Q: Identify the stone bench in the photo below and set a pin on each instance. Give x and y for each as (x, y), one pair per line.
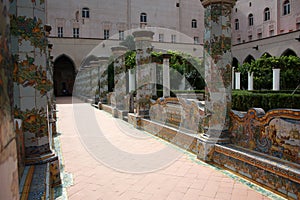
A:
(265, 147)
(279, 175)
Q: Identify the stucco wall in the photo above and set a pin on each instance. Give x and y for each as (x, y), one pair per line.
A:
(278, 22)
(275, 46)
(118, 15)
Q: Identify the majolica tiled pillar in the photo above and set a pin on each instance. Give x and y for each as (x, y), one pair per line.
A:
(103, 78)
(217, 59)
(94, 80)
(166, 75)
(144, 70)
(120, 75)
(33, 84)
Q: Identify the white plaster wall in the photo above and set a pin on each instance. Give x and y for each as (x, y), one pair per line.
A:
(278, 22)
(116, 15)
(275, 46)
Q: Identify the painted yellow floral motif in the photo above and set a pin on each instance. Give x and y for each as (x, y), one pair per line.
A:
(34, 121)
(27, 73)
(29, 29)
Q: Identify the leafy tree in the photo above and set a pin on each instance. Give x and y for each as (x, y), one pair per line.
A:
(262, 69)
(130, 61)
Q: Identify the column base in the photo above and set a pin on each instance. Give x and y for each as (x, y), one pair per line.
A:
(115, 112)
(207, 141)
(134, 120)
(143, 113)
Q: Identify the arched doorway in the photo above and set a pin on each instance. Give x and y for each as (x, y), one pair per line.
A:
(244, 74)
(235, 63)
(63, 76)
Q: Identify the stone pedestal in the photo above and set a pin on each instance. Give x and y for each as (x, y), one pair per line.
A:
(218, 71)
(144, 70)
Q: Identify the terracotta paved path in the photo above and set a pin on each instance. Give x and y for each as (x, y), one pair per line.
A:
(182, 179)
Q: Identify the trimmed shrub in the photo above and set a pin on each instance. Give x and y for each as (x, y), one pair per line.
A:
(244, 100)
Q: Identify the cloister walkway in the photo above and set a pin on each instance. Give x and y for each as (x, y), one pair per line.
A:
(119, 167)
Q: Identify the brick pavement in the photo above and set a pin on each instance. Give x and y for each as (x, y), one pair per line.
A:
(184, 178)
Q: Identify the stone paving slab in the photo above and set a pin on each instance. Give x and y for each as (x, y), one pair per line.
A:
(184, 177)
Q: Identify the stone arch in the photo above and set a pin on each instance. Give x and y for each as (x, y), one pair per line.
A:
(248, 59)
(235, 62)
(289, 52)
(266, 54)
(244, 76)
(63, 75)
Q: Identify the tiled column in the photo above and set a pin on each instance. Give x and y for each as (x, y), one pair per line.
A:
(86, 82)
(166, 75)
(103, 78)
(132, 84)
(120, 76)
(145, 86)
(95, 67)
(217, 59)
(87, 94)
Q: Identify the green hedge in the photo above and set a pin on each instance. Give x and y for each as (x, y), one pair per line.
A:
(244, 100)
(274, 91)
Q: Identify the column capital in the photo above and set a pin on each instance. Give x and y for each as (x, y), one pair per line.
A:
(143, 35)
(119, 50)
(103, 59)
(206, 3)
